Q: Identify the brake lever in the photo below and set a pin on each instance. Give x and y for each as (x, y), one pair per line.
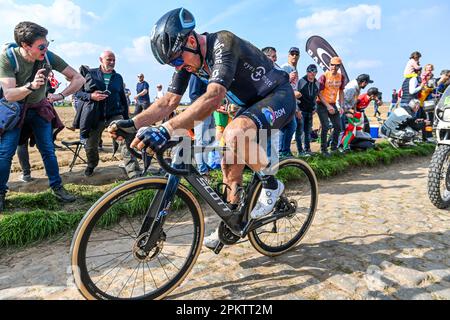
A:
(147, 159)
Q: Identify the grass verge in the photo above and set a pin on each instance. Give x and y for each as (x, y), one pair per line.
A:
(34, 217)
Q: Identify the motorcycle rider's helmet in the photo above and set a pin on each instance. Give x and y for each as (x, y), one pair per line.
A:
(170, 34)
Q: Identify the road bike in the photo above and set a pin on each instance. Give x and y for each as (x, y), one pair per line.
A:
(142, 239)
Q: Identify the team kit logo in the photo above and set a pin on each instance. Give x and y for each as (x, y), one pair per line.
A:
(271, 115)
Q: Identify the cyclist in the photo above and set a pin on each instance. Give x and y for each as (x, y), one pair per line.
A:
(233, 68)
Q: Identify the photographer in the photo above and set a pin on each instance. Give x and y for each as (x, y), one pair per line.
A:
(102, 101)
(27, 84)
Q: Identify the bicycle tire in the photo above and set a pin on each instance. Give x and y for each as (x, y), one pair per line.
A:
(78, 251)
(254, 236)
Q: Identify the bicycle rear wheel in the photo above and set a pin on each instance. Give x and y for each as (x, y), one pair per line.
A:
(301, 190)
(107, 257)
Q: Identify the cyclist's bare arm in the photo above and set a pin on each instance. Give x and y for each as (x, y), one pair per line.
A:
(200, 109)
(159, 110)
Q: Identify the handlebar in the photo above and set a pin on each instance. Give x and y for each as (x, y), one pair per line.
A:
(163, 163)
(129, 137)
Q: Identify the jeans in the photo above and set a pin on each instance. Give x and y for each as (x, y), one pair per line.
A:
(286, 135)
(141, 106)
(303, 132)
(325, 118)
(24, 158)
(43, 133)
(92, 144)
(203, 138)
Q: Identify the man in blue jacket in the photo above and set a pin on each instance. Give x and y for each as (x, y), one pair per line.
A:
(103, 100)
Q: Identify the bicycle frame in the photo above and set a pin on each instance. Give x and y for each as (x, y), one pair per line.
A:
(236, 221)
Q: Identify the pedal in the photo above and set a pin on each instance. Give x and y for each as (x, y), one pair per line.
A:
(219, 248)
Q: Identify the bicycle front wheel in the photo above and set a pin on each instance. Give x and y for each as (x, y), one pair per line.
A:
(302, 192)
(107, 257)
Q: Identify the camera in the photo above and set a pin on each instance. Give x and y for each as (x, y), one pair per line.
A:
(48, 69)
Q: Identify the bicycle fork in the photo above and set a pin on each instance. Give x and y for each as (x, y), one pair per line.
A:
(157, 213)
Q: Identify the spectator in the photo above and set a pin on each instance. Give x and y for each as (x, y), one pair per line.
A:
(394, 101)
(308, 87)
(127, 94)
(377, 103)
(352, 92)
(287, 133)
(443, 82)
(271, 53)
(427, 75)
(29, 85)
(353, 89)
(222, 118)
(413, 64)
(143, 95)
(364, 101)
(159, 92)
(202, 130)
(332, 85)
(99, 108)
(22, 148)
(411, 87)
(402, 125)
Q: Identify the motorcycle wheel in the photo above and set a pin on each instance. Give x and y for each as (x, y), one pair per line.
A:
(439, 178)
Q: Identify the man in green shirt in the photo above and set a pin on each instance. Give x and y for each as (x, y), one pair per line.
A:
(28, 86)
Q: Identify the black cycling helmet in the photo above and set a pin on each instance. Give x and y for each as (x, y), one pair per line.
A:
(170, 34)
(373, 92)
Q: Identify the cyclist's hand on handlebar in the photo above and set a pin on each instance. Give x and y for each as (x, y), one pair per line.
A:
(120, 127)
(152, 137)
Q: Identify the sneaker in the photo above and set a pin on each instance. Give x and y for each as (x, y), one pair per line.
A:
(212, 241)
(89, 172)
(63, 195)
(267, 201)
(393, 143)
(26, 178)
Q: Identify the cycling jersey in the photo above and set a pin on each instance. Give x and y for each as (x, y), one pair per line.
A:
(240, 67)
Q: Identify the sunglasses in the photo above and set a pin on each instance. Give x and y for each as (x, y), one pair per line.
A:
(177, 62)
(294, 54)
(42, 47)
(336, 65)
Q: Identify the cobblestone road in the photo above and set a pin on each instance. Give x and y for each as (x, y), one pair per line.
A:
(375, 236)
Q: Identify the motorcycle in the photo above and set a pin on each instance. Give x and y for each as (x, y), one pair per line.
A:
(439, 173)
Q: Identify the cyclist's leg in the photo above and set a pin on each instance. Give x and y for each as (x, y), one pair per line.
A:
(272, 113)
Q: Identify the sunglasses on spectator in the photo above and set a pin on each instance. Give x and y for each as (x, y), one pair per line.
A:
(294, 54)
(42, 47)
(312, 71)
(336, 65)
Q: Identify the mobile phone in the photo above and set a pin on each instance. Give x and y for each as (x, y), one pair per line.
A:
(48, 69)
(106, 92)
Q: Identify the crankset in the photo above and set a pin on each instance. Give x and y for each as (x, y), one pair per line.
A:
(286, 207)
(226, 236)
